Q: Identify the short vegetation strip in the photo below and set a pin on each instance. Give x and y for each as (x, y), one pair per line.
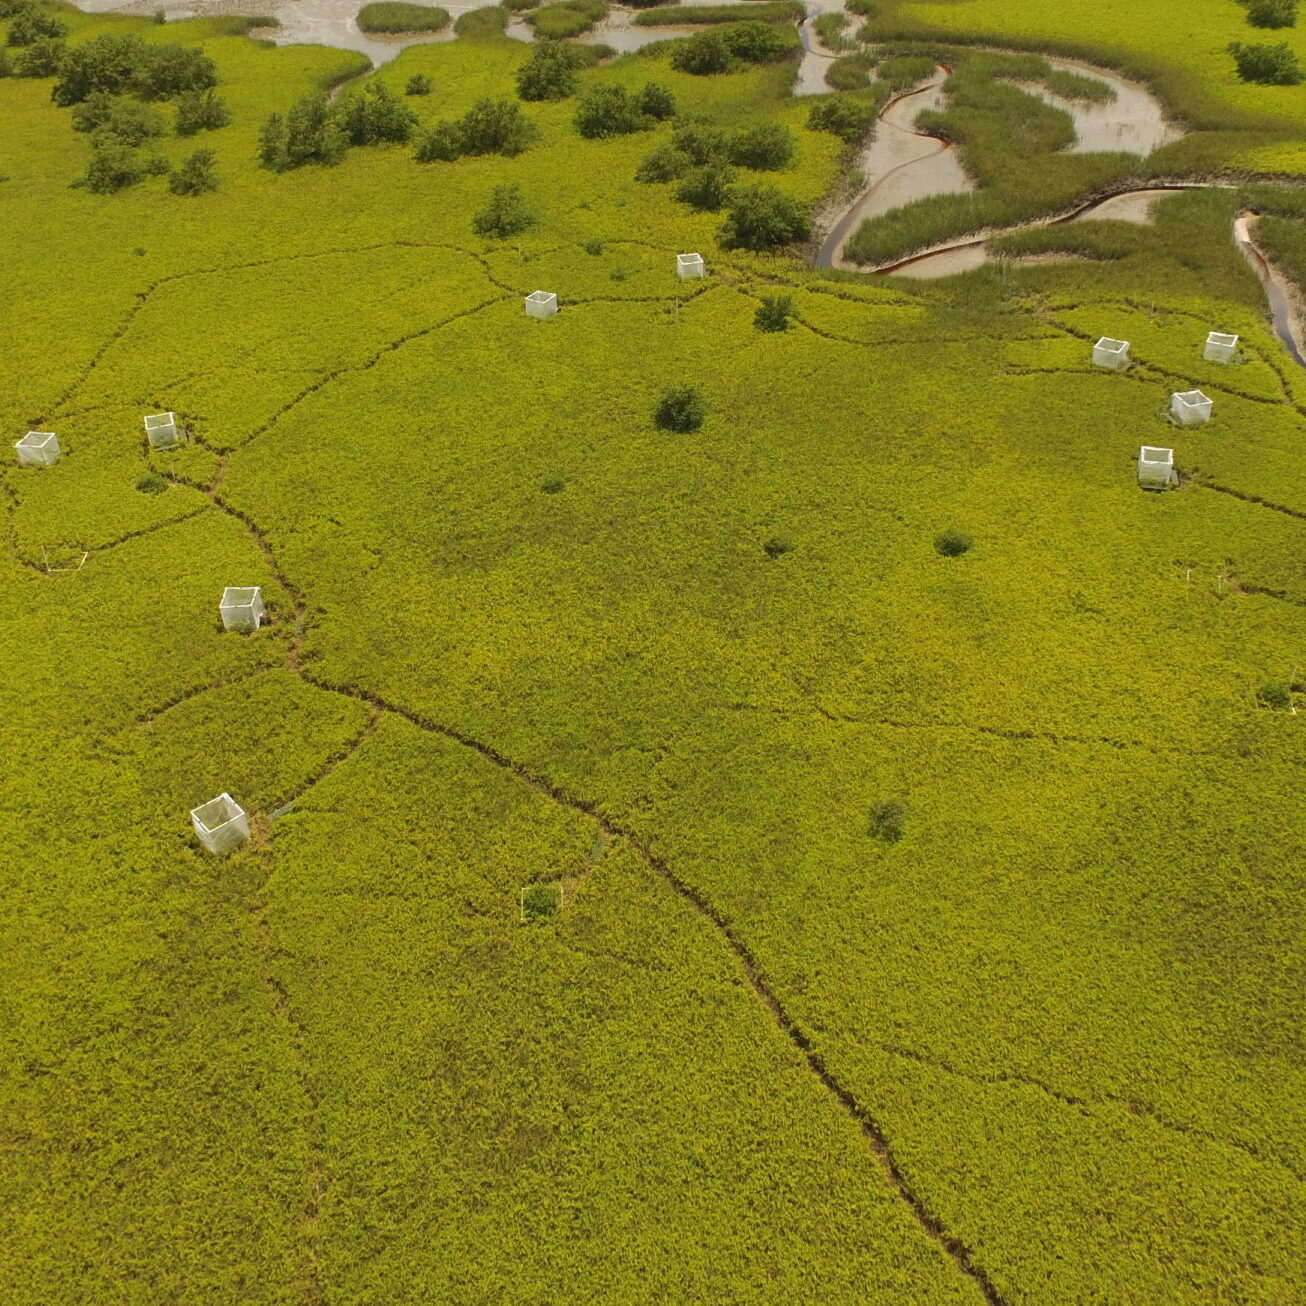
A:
(392, 18)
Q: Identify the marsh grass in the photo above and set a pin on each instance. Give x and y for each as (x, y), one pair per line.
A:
(392, 17)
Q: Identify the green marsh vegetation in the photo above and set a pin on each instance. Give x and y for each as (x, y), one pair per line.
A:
(390, 17)
(338, 1066)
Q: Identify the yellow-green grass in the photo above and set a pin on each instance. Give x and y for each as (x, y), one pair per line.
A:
(336, 1066)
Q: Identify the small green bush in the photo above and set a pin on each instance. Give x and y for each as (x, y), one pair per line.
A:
(122, 63)
(762, 218)
(1276, 695)
(152, 483)
(488, 127)
(609, 111)
(703, 54)
(844, 116)
(953, 543)
(40, 59)
(34, 23)
(114, 166)
(666, 163)
(201, 111)
(777, 546)
(1267, 65)
(540, 902)
(418, 84)
(1272, 13)
(681, 409)
(130, 121)
(656, 102)
(195, 176)
(553, 485)
(506, 215)
(593, 247)
(706, 189)
(886, 820)
(703, 142)
(550, 73)
(393, 17)
(768, 147)
(774, 312)
(375, 115)
(309, 133)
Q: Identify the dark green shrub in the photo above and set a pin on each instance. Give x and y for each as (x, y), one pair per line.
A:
(886, 820)
(441, 144)
(593, 247)
(609, 111)
(376, 115)
(703, 142)
(201, 111)
(114, 166)
(94, 111)
(767, 147)
(777, 546)
(481, 24)
(755, 42)
(121, 63)
(666, 163)
(844, 116)
(656, 102)
(128, 121)
(170, 70)
(106, 63)
(1267, 65)
(1272, 13)
(309, 133)
(506, 215)
(161, 17)
(393, 17)
(540, 902)
(553, 485)
(42, 58)
(706, 189)
(774, 312)
(418, 84)
(6, 64)
(550, 73)
(703, 54)
(952, 543)
(34, 23)
(763, 217)
(152, 483)
(681, 409)
(196, 176)
(866, 8)
(1276, 695)
(496, 127)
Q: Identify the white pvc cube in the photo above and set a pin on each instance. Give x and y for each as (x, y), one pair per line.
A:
(1220, 348)
(689, 266)
(1111, 353)
(1189, 407)
(162, 431)
(38, 449)
(541, 304)
(241, 607)
(220, 824)
(1156, 467)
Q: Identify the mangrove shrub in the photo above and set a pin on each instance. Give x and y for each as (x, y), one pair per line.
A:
(201, 111)
(774, 312)
(507, 214)
(1272, 13)
(34, 23)
(1268, 65)
(763, 217)
(196, 176)
(681, 409)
